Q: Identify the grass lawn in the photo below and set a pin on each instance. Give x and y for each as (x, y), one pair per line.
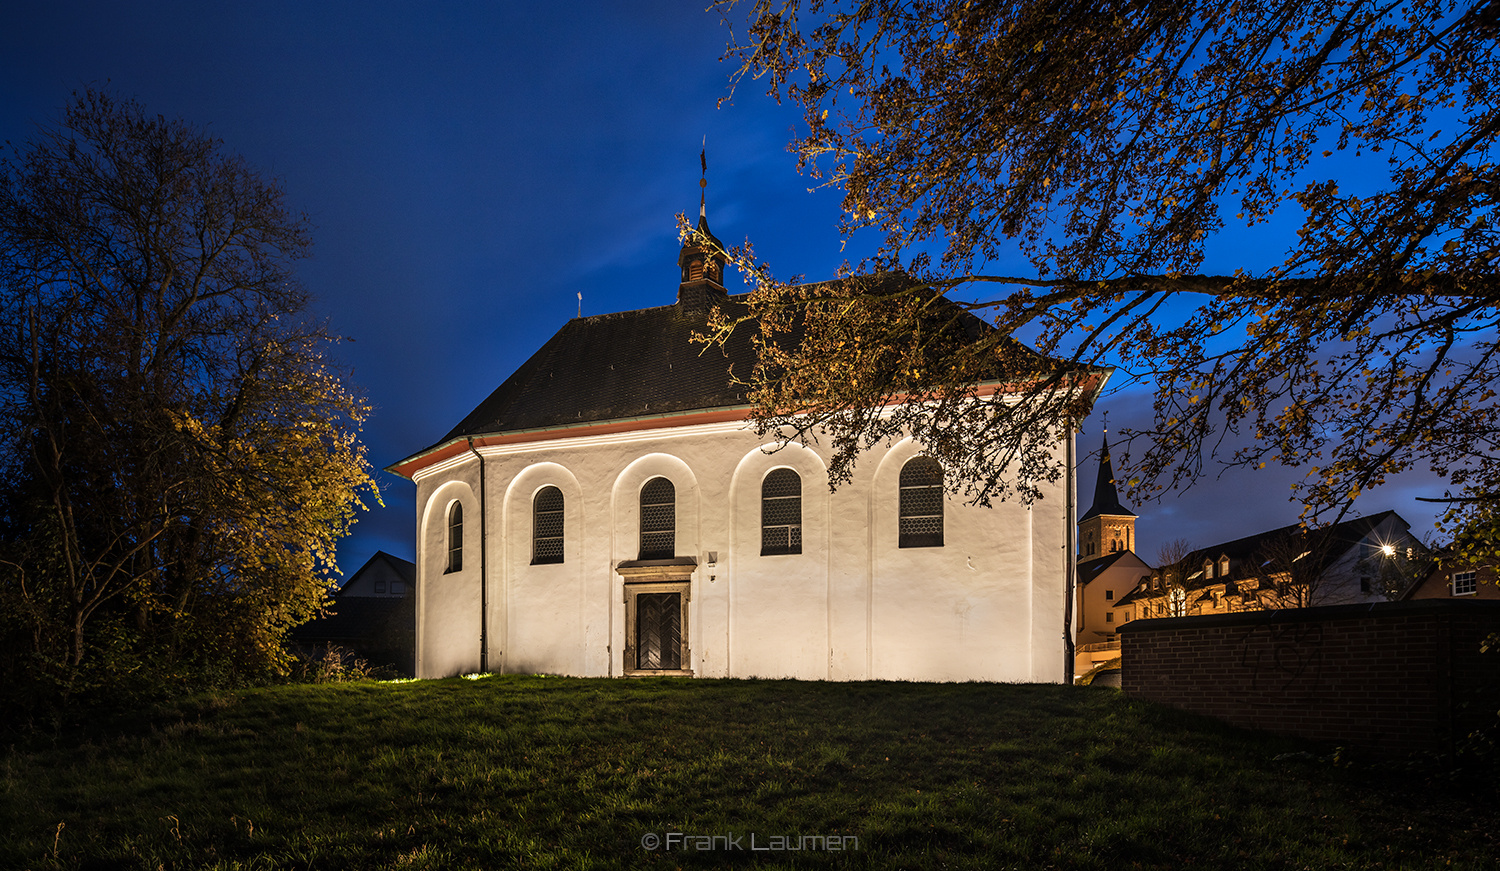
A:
(534, 772)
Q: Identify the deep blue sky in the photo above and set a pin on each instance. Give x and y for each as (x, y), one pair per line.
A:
(469, 168)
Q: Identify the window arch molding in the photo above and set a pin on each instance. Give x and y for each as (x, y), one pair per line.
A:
(745, 495)
(625, 505)
(520, 515)
(434, 529)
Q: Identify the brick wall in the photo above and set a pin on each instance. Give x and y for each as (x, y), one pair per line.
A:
(1396, 676)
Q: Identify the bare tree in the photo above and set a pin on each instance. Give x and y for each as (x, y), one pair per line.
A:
(1173, 552)
(1110, 145)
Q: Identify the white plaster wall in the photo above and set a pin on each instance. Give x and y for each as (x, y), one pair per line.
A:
(448, 603)
(853, 605)
(957, 612)
(779, 604)
(544, 605)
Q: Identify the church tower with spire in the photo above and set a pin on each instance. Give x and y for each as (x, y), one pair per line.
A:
(701, 259)
(1108, 527)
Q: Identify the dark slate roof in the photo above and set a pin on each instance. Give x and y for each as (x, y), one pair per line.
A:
(622, 365)
(1087, 571)
(405, 569)
(635, 364)
(1106, 498)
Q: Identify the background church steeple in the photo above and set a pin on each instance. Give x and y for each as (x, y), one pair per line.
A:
(702, 256)
(1108, 527)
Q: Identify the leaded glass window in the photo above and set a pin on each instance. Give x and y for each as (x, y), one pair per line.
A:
(547, 526)
(455, 537)
(921, 503)
(781, 513)
(658, 519)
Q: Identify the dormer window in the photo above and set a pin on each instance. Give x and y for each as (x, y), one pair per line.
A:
(1223, 566)
(1208, 569)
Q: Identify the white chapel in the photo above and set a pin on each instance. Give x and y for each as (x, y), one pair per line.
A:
(609, 511)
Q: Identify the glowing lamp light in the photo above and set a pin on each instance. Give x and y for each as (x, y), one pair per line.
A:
(1388, 549)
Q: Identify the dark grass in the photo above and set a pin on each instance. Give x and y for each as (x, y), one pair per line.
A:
(512, 772)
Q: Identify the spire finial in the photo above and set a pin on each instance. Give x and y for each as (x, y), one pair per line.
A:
(703, 180)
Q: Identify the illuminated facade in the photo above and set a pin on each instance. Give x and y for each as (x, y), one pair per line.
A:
(617, 516)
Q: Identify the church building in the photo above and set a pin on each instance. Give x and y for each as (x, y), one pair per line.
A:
(1108, 569)
(609, 511)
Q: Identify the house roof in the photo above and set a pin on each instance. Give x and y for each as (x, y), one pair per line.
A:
(404, 569)
(1088, 571)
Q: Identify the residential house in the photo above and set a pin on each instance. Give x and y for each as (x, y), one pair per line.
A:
(372, 617)
(1365, 560)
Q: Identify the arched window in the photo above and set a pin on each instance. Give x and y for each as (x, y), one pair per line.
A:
(547, 526)
(658, 519)
(921, 503)
(781, 513)
(455, 537)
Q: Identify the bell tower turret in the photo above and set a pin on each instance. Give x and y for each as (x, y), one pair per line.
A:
(702, 258)
(1108, 527)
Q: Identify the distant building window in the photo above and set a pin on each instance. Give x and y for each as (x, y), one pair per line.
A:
(921, 503)
(1464, 584)
(380, 586)
(398, 588)
(1208, 569)
(658, 519)
(1109, 594)
(1109, 616)
(781, 512)
(1177, 602)
(1223, 566)
(455, 537)
(547, 526)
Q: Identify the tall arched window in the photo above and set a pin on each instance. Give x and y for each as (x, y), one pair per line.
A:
(455, 537)
(658, 519)
(781, 513)
(921, 503)
(547, 526)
